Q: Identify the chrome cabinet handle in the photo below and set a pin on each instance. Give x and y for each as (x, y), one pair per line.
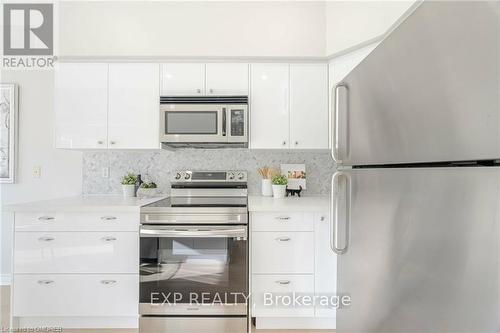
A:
(108, 218)
(322, 218)
(112, 142)
(283, 282)
(46, 218)
(45, 282)
(335, 119)
(108, 282)
(334, 212)
(100, 142)
(211, 91)
(46, 239)
(283, 239)
(284, 143)
(224, 116)
(296, 143)
(282, 218)
(198, 91)
(109, 239)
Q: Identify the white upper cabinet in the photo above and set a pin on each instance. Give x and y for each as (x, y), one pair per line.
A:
(309, 106)
(223, 79)
(133, 106)
(269, 103)
(81, 103)
(183, 79)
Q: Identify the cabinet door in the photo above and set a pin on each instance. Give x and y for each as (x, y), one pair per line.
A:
(133, 120)
(325, 265)
(183, 79)
(309, 106)
(227, 79)
(269, 104)
(81, 104)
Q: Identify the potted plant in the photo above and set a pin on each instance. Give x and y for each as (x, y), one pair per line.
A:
(129, 185)
(148, 189)
(279, 186)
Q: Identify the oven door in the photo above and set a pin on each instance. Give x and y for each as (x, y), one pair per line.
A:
(193, 123)
(193, 270)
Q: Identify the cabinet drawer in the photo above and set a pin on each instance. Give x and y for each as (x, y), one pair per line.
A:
(267, 287)
(282, 221)
(75, 295)
(75, 221)
(76, 252)
(282, 252)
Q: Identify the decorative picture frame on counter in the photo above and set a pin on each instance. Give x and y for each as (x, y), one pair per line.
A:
(8, 132)
(296, 174)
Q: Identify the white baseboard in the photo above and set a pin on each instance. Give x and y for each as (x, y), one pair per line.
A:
(5, 280)
(302, 323)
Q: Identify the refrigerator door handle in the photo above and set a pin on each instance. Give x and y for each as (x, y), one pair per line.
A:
(335, 207)
(335, 152)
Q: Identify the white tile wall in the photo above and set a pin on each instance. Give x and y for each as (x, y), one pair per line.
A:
(159, 166)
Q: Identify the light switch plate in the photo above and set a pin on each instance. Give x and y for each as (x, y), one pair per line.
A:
(105, 172)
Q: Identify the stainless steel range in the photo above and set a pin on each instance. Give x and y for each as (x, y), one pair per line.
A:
(194, 256)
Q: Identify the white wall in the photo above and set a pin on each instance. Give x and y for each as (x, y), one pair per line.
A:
(174, 28)
(349, 23)
(61, 170)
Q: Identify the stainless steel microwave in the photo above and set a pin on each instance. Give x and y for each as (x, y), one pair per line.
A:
(204, 122)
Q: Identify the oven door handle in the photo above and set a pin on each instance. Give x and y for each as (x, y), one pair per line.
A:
(192, 232)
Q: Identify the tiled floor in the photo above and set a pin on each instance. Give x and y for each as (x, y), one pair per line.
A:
(5, 308)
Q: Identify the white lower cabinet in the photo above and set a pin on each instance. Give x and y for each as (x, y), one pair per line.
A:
(284, 252)
(272, 295)
(77, 221)
(75, 268)
(293, 271)
(76, 252)
(75, 295)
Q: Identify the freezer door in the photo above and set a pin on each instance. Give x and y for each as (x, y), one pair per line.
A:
(428, 93)
(422, 252)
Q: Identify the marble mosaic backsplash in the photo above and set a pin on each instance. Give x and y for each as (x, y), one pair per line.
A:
(159, 166)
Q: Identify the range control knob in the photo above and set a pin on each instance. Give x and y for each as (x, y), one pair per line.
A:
(241, 176)
(230, 176)
(178, 176)
(187, 176)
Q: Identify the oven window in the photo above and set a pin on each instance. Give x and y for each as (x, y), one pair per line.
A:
(190, 122)
(189, 269)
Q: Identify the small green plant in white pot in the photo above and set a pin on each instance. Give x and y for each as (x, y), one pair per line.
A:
(279, 186)
(148, 190)
(129, 185)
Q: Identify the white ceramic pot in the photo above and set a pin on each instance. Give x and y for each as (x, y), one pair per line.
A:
(279, 191)
(267, 189)
(146, 192)
(128, 191)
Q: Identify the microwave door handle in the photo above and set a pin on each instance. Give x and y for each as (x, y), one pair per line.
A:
(224, 120)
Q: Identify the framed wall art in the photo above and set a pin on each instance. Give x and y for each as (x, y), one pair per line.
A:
(8, 132)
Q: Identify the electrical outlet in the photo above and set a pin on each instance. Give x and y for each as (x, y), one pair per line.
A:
(37, 171)
(105, 172)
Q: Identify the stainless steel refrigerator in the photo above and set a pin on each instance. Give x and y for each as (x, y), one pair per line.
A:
(416, 196)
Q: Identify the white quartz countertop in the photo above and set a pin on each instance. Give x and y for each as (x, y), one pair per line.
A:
(83, 203)
(289, 204)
